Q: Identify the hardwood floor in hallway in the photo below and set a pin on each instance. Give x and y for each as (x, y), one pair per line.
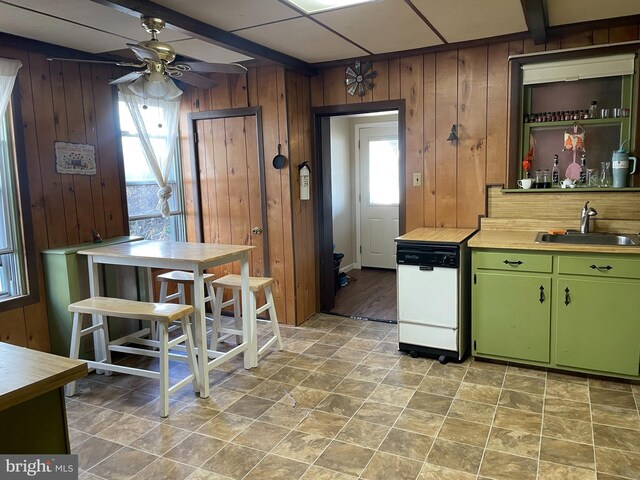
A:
(370, 293)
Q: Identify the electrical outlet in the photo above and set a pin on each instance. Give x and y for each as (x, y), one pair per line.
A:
(417, 179)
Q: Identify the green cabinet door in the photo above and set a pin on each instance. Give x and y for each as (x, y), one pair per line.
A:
(511, 315)
(597, 326)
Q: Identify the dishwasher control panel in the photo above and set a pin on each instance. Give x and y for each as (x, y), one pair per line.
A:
(427, 255)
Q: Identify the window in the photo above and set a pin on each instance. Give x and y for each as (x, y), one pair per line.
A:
(144, 219)
(13, 281)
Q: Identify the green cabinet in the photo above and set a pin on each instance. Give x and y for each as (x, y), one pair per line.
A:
(67, 280)
(511, 298)
(511, 315)
(573, 311)
(597, 325)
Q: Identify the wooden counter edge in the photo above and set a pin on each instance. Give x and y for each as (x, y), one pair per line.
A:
(24, 393)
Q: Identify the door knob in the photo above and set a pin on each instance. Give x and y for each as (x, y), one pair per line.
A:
(256, 230)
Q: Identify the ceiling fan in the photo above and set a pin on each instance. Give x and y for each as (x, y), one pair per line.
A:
(156, 61)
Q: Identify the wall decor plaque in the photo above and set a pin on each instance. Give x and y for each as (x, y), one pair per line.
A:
(75, 158)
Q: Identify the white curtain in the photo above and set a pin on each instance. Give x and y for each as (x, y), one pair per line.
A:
(156, 122)
(8, 72)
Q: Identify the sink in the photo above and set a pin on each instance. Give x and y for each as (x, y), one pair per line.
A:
(575, 238)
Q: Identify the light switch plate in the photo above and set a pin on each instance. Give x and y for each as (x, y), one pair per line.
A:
(417, 179)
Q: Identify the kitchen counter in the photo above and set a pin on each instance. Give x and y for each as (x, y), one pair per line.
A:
(525, 240)
(437, 235)
(32, 402)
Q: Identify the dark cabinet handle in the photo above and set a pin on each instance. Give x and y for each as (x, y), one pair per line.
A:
(597, 267)
(509, 262)
(566, 296)
(541, 294)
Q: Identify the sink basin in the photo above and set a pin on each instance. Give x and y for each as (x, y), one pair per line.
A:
(617, 239)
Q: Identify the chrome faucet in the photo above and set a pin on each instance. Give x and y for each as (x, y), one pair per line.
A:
(587, 212)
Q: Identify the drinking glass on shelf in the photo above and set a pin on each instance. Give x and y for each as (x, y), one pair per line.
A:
(605, 174)
(593, 177)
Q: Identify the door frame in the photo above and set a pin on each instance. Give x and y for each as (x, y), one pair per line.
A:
(192, 118)
(357, 128)
(320, 125)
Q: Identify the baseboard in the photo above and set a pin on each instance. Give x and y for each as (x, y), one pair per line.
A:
(348, 268)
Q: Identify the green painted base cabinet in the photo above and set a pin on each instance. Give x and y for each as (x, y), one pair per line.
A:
(571, 311)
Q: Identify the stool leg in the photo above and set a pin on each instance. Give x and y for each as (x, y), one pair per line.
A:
(74, 350)
(217, 318)
(105, 341)
(164, 369)
(273, 317)
(191, 357)
(237, 313)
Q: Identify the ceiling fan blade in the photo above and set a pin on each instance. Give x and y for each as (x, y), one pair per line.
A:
(129, 77)
(144, 53)
(233, 68)
(194, 79)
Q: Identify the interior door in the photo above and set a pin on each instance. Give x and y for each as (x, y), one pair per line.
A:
(228, 156)
(379, 196)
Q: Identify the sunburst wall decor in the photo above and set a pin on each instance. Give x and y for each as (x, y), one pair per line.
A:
(359, 78)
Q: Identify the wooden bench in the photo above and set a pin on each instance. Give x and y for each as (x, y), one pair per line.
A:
(161, 313)
(256, 284)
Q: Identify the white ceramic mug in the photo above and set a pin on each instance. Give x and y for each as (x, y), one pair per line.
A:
(567, 183)
(525, 183)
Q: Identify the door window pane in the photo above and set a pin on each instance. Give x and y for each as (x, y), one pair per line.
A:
(384, 182)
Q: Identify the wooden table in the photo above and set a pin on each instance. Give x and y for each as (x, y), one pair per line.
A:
(193, 257)
(32, 403)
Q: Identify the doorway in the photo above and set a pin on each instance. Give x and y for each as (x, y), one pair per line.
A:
(229, 204)
(327, 185)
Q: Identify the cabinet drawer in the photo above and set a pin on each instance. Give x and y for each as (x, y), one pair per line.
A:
(604, 266)
(513, 260)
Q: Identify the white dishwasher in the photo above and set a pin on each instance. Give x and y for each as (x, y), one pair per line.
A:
(433, 293)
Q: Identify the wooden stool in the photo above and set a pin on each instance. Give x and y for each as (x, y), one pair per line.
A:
(161, 313)
(234, 283)
(181, 279)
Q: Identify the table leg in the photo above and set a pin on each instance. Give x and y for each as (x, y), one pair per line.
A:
(200, 338)
(249, 330)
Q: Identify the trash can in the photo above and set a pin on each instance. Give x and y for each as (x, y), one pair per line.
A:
(337, 258)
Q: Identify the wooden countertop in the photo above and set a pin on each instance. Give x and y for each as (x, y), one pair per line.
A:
(439, 235)
(26, 374)
(525, 240)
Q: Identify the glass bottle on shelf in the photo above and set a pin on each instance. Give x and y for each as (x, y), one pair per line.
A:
(583, 170)
(555, 172)
(593, 109)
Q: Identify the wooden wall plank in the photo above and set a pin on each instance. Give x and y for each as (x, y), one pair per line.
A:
(411, 88)
(92, 139)
(601, 36)
(472, 117)
(497, 112)
(335, 92)
(73, 96)
(446, 115)
(61, 125)
(12, 327)
(381, 81)
(394, 79)
(285, 186)
(579, 39)
(317, 90)
(429, 141)
(623, 34)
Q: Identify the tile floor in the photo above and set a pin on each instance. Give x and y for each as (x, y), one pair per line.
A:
(341, 403)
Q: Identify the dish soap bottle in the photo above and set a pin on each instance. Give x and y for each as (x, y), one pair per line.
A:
(583, 170)
(555, 172)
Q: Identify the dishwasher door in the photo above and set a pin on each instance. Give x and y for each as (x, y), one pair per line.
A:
(428, 295)
(428, 306)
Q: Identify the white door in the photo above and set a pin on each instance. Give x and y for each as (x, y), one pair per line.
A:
(379, 195)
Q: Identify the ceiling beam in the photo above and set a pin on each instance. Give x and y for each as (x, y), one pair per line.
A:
(208, 33)
(535, 14)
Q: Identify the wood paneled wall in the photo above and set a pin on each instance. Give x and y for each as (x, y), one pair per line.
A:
(66, 102)
(264, 87)
(467, 87)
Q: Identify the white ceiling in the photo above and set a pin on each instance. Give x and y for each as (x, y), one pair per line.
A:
(373, 28)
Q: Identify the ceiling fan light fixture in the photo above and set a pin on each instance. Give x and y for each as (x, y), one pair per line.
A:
(155, 86)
